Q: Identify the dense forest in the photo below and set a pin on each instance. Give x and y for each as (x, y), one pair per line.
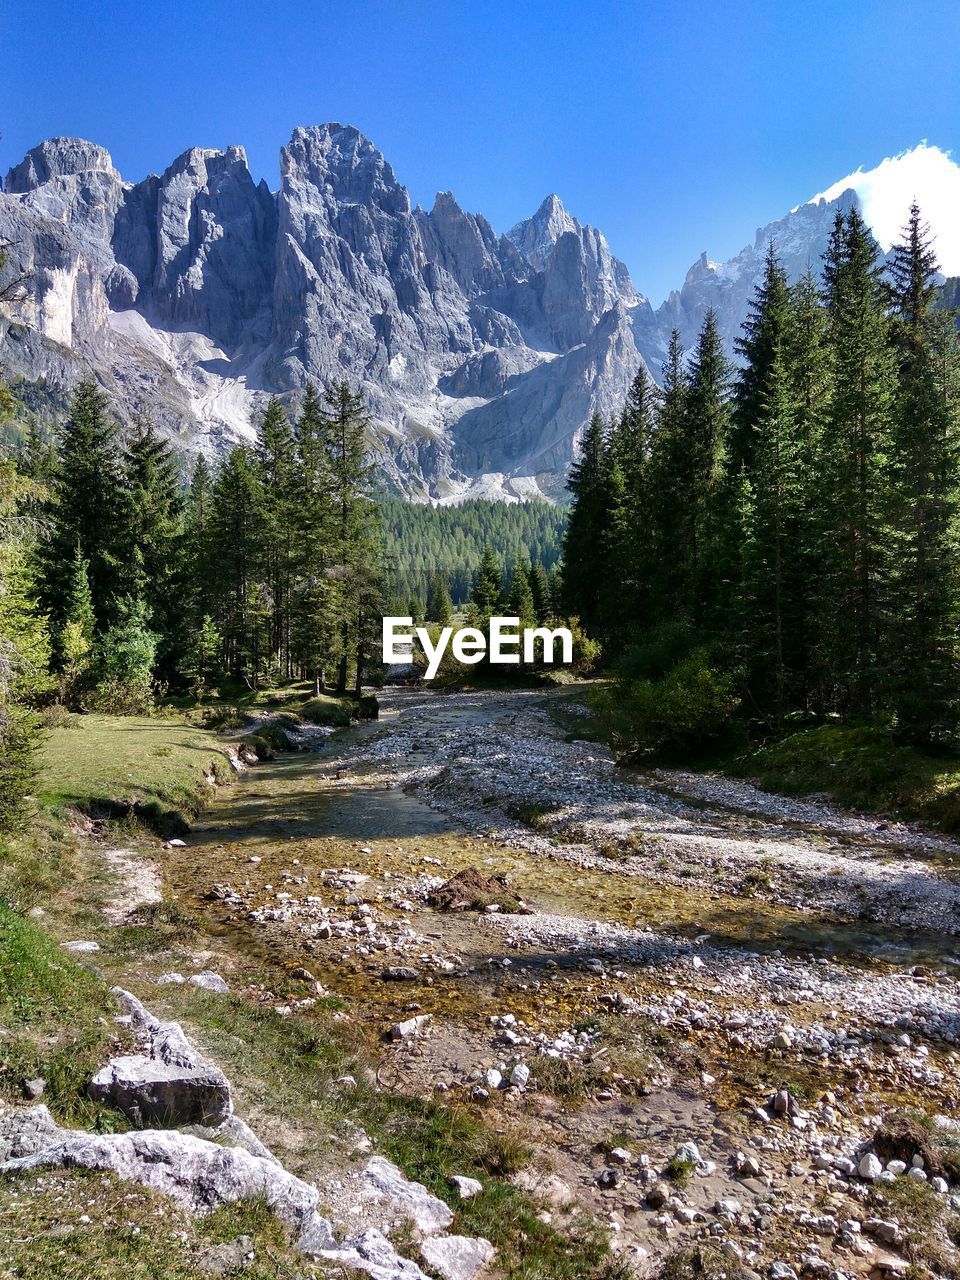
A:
(423, 543)
(782, 538)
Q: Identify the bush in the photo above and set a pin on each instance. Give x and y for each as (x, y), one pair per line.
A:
(126, 658)
(683, 711)
(327, 711)
(20, 735)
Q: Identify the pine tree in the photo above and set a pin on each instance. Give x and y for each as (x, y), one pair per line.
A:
(90, 508)
(585, 545)
(357, 543)
(708, 426)
(486, 597)
(855, 537)
(155, 525)
(520, 603)
(313, 607)
(540, 591)
(925, 452)
(439, 605)
(77, 637)
(242, 603)
(274, 451)
(669, 489)
(630, 533)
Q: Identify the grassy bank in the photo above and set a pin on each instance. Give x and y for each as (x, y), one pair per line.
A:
(861, 768)
(149, 766)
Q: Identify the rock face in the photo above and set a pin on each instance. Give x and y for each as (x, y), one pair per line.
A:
(197, 293)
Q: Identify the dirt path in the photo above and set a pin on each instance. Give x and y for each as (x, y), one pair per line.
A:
(694, 947)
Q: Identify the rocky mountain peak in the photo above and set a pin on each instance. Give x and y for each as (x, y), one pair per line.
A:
(338, 160)
(58, 158)
(536, 236)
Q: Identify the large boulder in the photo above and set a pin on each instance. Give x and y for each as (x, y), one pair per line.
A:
(168, 1082)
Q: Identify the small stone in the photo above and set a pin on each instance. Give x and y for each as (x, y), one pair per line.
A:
(400, 973)
(492, 1078)
(466, 1188)
(33, 1089)
(781, 1271)
(520, 1076)
(81, 947)
(208, 981)
(619, 1155)
(869, 1167)
(783, 1040)
(916, 1175)
(410, 1028)
(168, 979)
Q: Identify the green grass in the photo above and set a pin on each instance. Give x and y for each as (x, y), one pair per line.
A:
(56, 1017)
(134, 1232)
(289, 1064)
(150, 767)
(863, 768)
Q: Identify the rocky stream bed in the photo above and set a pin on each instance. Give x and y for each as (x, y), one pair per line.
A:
(720, 1020)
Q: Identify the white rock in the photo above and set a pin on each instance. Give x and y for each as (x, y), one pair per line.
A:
(457, 1257)
(520, 1075)
(869, 1167)
(165, 979)
(466, 1188)
(81, 947)
(208, 981)
(426, 1211)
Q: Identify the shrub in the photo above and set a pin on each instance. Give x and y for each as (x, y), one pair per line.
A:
(689, 707)
(126, 658)
(326, 711)
(20, 734)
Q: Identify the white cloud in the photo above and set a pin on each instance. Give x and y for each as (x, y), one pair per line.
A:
(925, 174)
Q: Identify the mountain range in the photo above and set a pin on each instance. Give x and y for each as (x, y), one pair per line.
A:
(196, 294)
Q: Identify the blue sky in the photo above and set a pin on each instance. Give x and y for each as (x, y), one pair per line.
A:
(674, 127)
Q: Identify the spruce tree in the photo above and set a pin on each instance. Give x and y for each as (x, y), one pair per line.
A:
(855, 538)
(155, 526)
(540, 591)
(707, 423)
(925, 450)
(313, 607)
(520, 602)
(274, 451)
(586, 543)
(90, 508)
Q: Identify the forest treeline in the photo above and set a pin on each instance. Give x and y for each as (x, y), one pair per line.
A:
(781, 538)
(119, 581)
(423, 543)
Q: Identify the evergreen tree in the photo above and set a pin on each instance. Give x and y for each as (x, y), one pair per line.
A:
(439, 605)
(586, 544)
(855, 541)
(520, 603)
(155, 507)
(486, 597)
(77, 637)
(234, 529)
(925, 455)
(313, 607)
(358, 548)
(708, 425)
(540, 591)
(275, 455)
(90, 508)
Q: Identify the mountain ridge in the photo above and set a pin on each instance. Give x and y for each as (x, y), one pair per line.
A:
(197, 293)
